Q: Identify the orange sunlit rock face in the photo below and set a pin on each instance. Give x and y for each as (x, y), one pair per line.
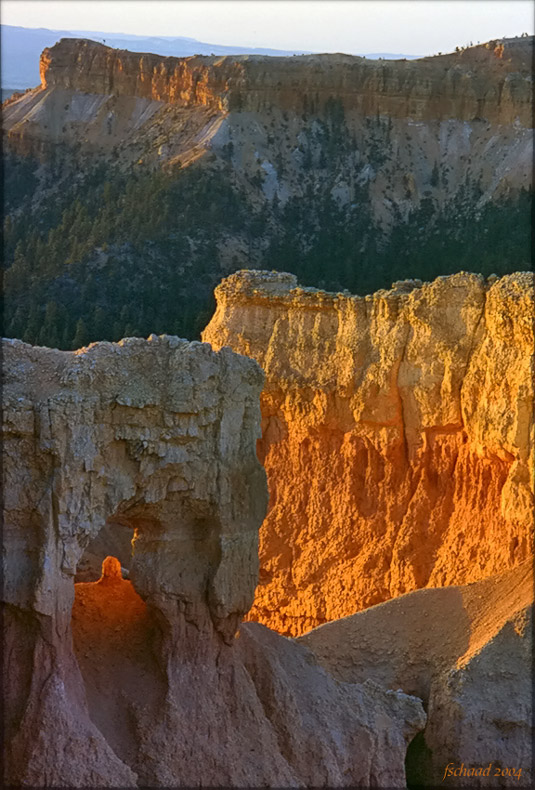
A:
(397, 436)
(109, 609)
(89, 67)
(111, 570)
(114, 638)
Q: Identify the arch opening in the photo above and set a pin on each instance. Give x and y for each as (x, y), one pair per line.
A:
(114, 636)
(114, 539)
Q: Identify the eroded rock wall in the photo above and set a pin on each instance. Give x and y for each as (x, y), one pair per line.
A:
(468, 85)
(157, 689)
(442, 127)
(89, 67)
(397, 436)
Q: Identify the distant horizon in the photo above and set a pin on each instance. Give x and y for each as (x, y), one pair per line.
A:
(417, 28)
(127, 36)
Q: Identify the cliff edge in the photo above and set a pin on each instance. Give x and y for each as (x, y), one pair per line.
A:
(397, 436)
(475, 83)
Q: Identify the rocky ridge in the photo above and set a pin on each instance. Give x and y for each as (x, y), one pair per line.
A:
(468, 113)
(430, 88)
(154, 682)
(397, 436)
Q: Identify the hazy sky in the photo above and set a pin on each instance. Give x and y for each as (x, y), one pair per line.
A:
(417, 27)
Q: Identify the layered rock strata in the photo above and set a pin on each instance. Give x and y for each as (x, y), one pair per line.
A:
(156, 684)
(466, 651)
(397, 436)
(475, 84)
(469, 114)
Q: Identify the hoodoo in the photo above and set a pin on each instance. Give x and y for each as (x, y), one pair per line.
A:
(297, 554)
(161, 686)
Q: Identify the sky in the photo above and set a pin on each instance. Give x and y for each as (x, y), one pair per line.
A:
(413, 27)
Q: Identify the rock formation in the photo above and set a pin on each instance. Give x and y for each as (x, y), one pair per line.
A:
(468, 114)
(466, 651)
(347, 172)
(89, 67)
(157, 684)
(437, 88)
(397, 436)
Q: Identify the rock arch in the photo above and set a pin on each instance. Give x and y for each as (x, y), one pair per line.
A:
(160, 435)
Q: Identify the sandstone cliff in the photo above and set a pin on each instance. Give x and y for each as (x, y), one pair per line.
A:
(156, 684)
(89, 67)
(473, 84)
(468, 113)
(466, 651)
(397, 436)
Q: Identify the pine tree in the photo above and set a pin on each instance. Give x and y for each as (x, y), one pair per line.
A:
(49, 334)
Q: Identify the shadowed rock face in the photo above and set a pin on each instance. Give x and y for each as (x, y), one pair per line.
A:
(125, 431)
(152, 686)
(397, 436)
(466, 651)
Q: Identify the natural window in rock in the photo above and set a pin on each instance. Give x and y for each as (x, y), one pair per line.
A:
(113, 636)
(114, 539)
